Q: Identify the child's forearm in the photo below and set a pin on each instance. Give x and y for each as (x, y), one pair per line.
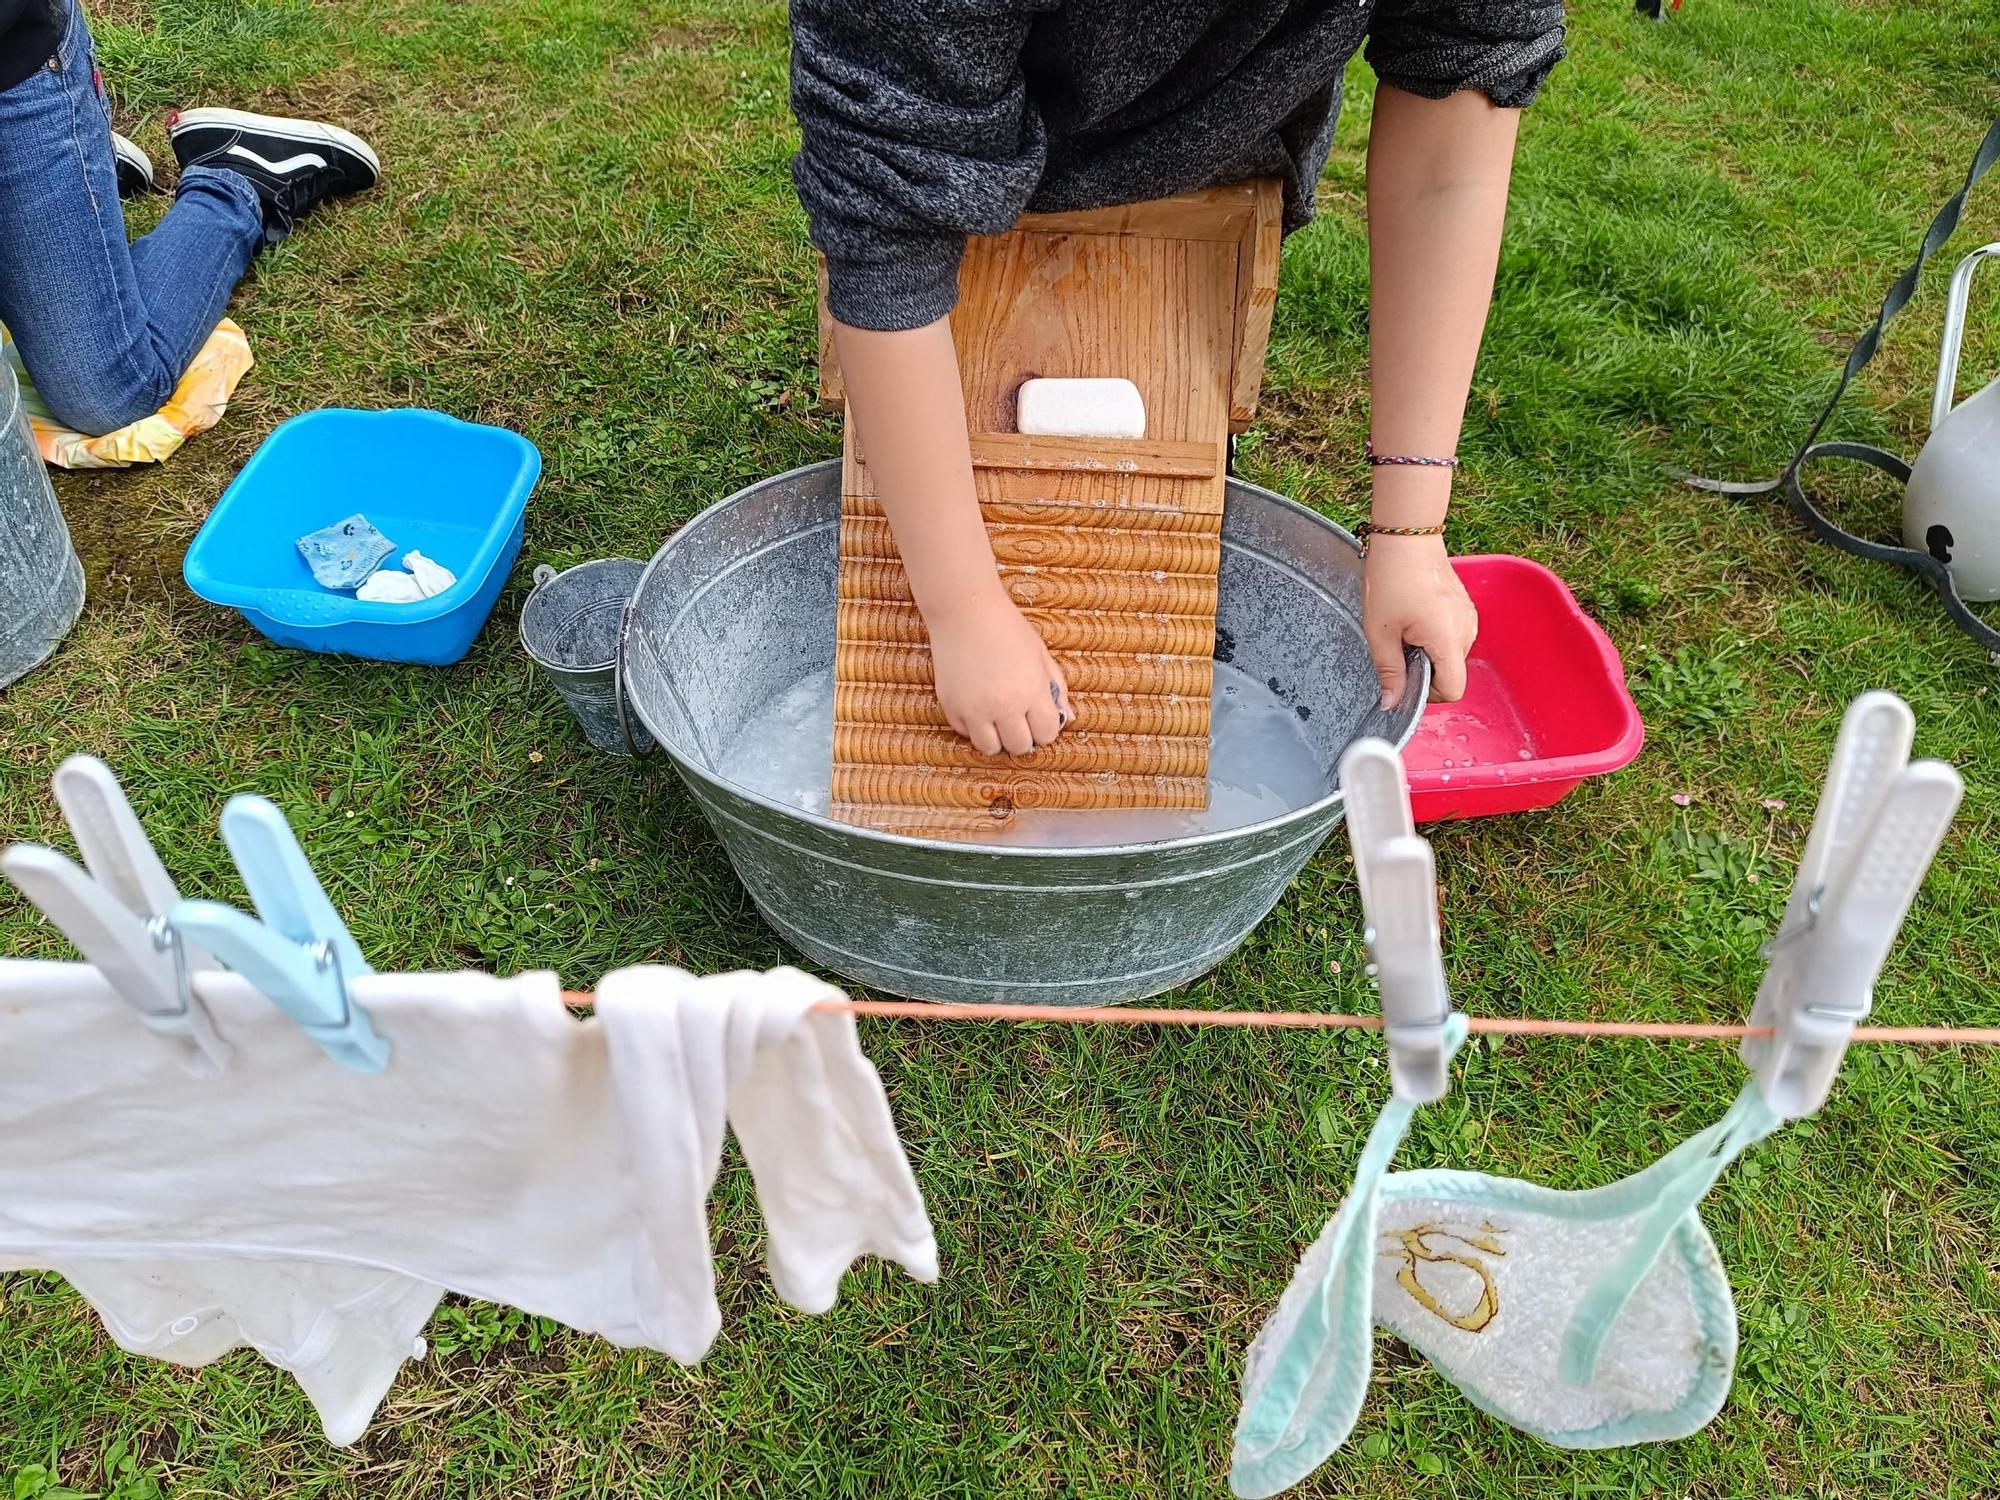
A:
(1437, 198)
(908, 408)
(996, 681)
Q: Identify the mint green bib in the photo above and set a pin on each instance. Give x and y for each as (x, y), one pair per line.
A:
(1591, 1319)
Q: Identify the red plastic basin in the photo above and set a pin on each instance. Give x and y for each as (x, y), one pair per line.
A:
(1545, 703)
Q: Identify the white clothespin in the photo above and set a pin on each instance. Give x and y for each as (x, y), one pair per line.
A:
(113, 913)
(301, 955)
(1878, 826)
(1398, 881)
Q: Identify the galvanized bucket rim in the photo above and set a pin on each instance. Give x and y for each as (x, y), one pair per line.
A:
(1417, 682)
(521, 625)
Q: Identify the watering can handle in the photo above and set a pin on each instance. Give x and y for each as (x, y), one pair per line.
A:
(1956, 299)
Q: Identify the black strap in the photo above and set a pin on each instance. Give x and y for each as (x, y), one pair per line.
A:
(1811, 449)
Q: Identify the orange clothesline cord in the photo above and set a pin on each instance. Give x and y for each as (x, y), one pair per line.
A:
(1124, 1015)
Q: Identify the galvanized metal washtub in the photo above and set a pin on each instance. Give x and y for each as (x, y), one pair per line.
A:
(41, 579)
(738, 607)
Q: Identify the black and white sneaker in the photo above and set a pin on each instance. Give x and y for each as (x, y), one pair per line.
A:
(293, 164)
(135, 167)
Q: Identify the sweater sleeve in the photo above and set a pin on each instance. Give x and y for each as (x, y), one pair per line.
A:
(1503, 48)
(30, 32)
(916, 130)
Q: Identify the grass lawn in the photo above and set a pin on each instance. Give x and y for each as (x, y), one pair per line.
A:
(588, 233)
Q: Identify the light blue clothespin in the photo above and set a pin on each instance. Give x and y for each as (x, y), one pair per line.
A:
(301, 954)
(113, 911)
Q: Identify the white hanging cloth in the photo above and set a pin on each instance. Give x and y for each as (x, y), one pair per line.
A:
(509, 1152)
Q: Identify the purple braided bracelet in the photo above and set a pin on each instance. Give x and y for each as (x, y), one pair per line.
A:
(1381, 460)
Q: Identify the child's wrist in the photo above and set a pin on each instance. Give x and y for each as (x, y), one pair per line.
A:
(1403, 544)
(977, 600)
(1410, 497)
(1388, 549)
(1407, 511)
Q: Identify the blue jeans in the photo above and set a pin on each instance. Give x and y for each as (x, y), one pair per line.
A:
(106, 328)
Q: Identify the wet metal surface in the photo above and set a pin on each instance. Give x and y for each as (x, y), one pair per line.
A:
(41, 579)
(739, 606)
(569, 628)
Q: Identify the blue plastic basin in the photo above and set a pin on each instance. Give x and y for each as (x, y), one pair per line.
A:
(454, 491)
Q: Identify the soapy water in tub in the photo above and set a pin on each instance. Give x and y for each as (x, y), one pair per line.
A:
(1260, 765)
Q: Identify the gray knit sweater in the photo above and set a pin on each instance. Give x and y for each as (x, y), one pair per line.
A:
(927, 120)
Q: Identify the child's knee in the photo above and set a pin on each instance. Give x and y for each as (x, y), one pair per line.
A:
(97, 406)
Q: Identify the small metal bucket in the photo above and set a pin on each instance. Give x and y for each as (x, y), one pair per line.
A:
(738, 607)
(41, 579)
(570, 628)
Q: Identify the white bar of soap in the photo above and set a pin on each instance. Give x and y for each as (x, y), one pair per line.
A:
(1097, 406)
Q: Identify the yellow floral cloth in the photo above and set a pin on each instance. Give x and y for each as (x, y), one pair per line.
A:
(196, 405)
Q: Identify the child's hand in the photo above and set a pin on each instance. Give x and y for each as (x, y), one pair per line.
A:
(996, 680)
(1410, 595)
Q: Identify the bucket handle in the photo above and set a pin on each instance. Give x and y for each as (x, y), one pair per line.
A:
(618, 683)
(543, 574)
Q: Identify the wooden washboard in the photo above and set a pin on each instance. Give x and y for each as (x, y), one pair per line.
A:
(1111, 546)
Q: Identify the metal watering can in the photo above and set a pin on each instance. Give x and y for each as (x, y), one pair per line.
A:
(1951, 508)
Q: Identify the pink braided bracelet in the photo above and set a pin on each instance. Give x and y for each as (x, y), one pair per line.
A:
(1380, 460)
